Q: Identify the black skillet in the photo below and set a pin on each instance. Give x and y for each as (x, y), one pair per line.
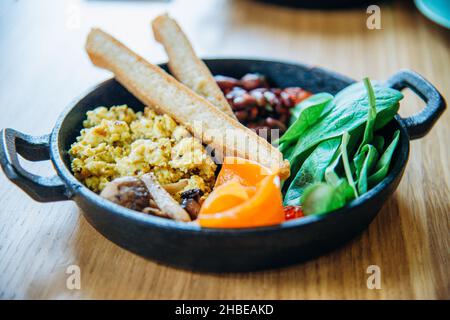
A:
(217, 250)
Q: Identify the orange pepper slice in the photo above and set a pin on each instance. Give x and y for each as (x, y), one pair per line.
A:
(248, 172)
(246, 195)
(226, 196)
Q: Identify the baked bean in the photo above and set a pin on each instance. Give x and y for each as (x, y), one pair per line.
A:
(253, 80)
(258, 94)
(271, 98)
(242, 116)
(275, 124)
(287, 99)
(302, 95)
(235, 92)
(226, 83)
(258, 106)
(253, 113)
(297, 94)
(239, 103)
(276, 91)
(251, 100)
(281, 109)
(284, 118)
(243, 101)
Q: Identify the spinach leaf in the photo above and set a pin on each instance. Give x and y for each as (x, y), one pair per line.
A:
(286, 148)
(378, 143)
(371, 115)
(331, 173)
(354, 91)
(382, 166)
(312, 170)
(306, 114)
(349, 112)
(320, 198)
(331, 176)
(360, 158)
(369, 156)
(348, 172)
(358, 162)
(385, 116)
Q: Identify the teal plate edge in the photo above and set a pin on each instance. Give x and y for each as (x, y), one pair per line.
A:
(439, 14)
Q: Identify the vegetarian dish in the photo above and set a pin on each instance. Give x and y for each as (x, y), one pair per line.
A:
(258, 106)
(334, 148)
(223, 152)
(119, 142)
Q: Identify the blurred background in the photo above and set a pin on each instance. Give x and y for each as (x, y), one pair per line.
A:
(43, 67)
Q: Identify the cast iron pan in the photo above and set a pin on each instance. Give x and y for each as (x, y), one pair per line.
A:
(217, 250)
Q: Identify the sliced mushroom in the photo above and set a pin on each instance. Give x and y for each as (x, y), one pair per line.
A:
(155, 212)
(129, 192)
(152, 203)
(175, 187)
(164, 200)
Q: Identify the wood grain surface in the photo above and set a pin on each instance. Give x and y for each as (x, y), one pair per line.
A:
(43, 67)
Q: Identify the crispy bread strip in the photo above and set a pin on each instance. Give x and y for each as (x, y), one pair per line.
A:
(164, 200)
(185, 65)
(154, 87)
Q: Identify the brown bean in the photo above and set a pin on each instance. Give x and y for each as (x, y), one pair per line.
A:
(276, 91)
(226, 83)
(275, 124)
(235, 92)
(302, 95)
(297, 94)
(284, 117)
(252, 81)
(287, 99)
(242, 116)
(251, 100)
(258, 94)
(281, 109)
(253, 113)
(259, 107)
(271, 98)
(239, 103)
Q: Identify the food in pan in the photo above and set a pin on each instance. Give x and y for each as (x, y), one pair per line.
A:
(163, 199)
(329, 153)
(154, 87)
(334, 146)
(119, 142)
(246, 194)
(259, 106)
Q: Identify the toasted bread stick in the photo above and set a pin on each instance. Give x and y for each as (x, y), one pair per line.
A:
(164, 200)
(156, 88)
(185, 65)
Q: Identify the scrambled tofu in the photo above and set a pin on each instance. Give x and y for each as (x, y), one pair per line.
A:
(119, 142)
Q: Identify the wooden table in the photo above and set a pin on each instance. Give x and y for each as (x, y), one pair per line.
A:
(43, 67)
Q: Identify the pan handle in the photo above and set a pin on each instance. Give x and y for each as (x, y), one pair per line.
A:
(419, 124)
(42, 189)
